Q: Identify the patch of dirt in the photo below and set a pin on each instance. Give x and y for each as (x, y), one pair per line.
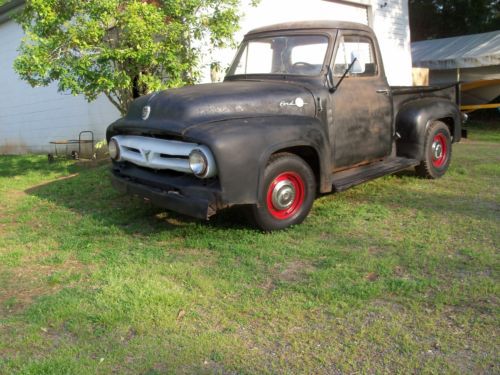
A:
(401, 272)
(293, 272)
(296, 271)
(372, 276)
(3, 227)
(375, 250)
(15, 194)
(394, 307)
(10, 196)
(326, 236)
(28, 282)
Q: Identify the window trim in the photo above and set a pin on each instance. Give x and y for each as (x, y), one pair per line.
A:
(361, 34)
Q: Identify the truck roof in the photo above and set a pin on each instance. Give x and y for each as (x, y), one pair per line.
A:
(308, 25)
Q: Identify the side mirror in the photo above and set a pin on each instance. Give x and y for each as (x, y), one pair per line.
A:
(357, 68)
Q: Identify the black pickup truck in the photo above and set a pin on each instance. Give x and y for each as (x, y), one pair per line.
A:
(305, 109)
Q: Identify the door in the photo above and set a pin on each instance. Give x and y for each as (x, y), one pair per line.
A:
(361, 130)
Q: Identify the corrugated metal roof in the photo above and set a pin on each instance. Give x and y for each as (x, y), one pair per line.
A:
(469, 51)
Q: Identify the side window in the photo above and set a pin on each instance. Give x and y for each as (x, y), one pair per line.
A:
(359, 48)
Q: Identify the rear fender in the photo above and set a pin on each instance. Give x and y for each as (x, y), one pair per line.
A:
(414, 118)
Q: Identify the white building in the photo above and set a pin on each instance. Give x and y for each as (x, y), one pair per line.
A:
(32, 117)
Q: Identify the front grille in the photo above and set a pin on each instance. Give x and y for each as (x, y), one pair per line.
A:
(162, 154)
(155, 153)
(133, 149)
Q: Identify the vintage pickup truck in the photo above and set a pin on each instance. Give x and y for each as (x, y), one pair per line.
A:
(305, 109)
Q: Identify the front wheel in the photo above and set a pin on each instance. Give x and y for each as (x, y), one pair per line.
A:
(286, 194)
(437, 152)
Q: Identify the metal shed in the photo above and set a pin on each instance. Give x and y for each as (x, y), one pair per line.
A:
(471, 59)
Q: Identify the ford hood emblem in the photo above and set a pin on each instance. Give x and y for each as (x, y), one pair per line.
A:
(146, 111)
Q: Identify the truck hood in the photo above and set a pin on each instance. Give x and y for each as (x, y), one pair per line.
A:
(175, 110)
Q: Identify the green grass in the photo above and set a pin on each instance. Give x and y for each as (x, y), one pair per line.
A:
(398, 275)
(484, 131)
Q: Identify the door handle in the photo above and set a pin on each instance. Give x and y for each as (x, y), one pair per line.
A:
(384, 91)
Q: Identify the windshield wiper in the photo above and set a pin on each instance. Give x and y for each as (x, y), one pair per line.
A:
(333, 88)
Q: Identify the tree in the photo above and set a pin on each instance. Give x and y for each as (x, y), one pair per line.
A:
(430, 19)
(122, 48)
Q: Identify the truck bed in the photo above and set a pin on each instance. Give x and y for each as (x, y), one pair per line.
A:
(403, 94)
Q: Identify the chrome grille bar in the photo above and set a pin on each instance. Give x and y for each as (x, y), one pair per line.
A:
(159, 154)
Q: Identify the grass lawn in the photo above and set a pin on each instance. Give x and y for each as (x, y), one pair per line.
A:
(397, 275)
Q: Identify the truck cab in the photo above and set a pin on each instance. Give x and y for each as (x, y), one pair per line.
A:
(358, 110)
(305, 109)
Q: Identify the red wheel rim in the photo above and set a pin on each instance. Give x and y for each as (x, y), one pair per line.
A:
(439, 150)
(285, 195)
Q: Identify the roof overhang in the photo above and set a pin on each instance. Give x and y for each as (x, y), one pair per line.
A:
(468, 51)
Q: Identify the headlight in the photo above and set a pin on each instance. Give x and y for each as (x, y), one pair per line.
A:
(114, 149)
(198, 163)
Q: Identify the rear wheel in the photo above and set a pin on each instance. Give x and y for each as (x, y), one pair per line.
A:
(286, 194)
(437, 152)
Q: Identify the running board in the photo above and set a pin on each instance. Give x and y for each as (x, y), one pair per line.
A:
(345, 179)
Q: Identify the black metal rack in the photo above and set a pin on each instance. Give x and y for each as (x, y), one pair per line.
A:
(68, 142)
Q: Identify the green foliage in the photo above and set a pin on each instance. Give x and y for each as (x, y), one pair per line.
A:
(122, 48)
(431, 19)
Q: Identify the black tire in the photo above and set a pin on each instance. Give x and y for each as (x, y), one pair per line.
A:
(437, 151)
(286, 194)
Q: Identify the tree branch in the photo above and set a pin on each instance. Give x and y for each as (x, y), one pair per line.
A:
(116, 104)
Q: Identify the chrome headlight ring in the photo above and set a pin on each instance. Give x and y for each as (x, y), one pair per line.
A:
(202, 163)
(114, 149)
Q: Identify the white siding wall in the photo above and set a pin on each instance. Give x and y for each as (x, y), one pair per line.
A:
(32, 117)
(276, 11)
(392, 27)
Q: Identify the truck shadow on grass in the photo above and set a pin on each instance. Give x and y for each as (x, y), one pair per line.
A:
(15, 166)
(88, 192)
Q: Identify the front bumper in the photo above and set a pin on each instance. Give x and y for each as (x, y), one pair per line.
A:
(189, 200)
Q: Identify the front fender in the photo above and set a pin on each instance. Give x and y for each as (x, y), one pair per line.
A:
(414, 118)
(242, 147)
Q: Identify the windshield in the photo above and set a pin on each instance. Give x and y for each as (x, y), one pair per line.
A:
(298, 55)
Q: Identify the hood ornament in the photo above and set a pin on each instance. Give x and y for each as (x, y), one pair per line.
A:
(299, 103)
(146, 111)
